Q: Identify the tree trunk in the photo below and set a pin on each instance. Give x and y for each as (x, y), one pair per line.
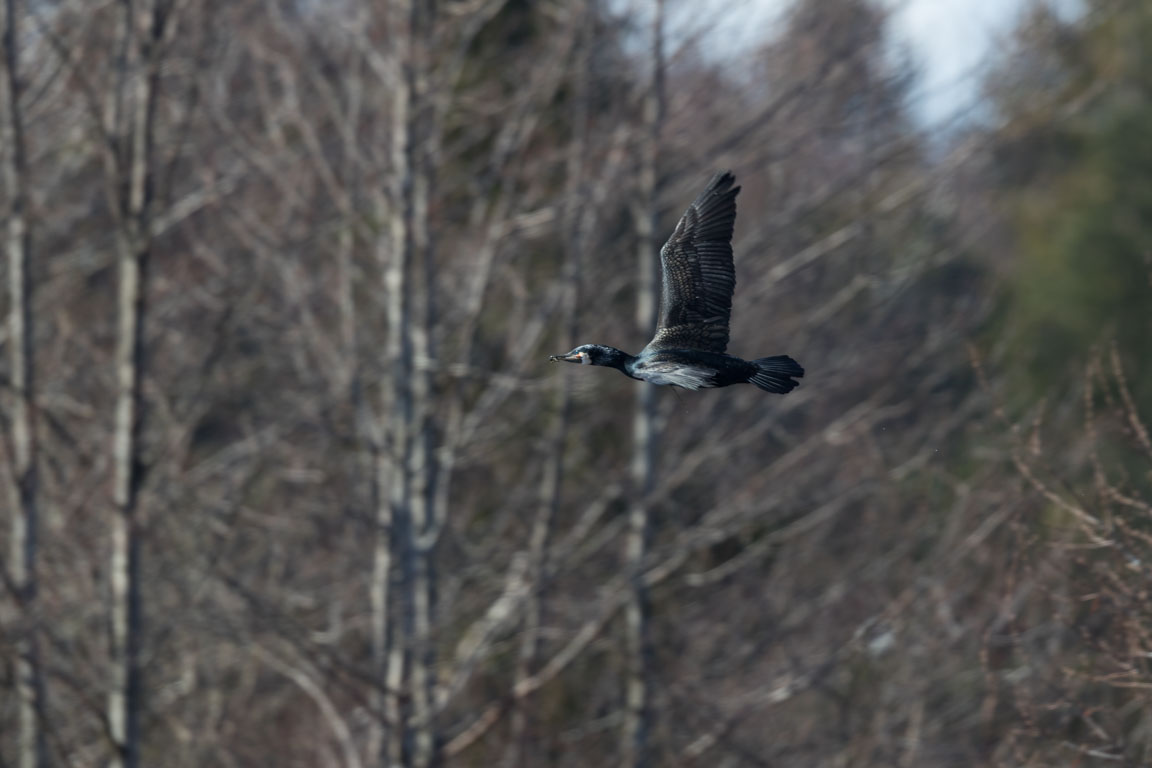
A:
(25, 523)
(143, 28)
(637, 723)
(427, 514)
(392, 603)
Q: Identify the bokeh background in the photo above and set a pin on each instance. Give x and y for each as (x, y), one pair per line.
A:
(289, 481)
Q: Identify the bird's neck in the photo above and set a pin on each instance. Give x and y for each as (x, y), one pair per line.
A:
(618, 359)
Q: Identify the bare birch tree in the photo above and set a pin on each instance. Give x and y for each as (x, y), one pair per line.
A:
(131, 178)
(394, 600)
(24, 497)
(429, 507)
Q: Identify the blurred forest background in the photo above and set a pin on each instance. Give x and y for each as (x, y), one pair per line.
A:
(288, 480)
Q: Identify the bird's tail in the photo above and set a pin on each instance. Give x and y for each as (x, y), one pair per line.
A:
(774, 374)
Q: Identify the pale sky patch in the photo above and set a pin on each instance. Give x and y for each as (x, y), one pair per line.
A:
(951, 41)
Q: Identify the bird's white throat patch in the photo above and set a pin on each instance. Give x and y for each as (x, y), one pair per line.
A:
(585, 358)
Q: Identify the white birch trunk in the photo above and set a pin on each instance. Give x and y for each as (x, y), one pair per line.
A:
(142, 38)
(23, 498)
(426, 512)
(392, 580)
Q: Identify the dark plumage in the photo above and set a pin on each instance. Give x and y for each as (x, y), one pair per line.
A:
(695, 304)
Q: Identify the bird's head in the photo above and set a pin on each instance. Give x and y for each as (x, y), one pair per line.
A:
(590, 354)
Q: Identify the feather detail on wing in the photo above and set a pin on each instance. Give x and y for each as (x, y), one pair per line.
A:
(674, 373)
(698, 275)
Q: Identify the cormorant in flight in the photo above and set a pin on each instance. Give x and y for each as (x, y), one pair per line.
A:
(695, 303)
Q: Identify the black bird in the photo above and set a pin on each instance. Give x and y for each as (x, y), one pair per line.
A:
(695, 303)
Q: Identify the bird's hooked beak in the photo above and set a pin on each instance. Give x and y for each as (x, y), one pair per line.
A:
(578, 358)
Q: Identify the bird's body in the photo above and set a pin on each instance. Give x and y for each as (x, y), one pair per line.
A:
(688, 349)
(693, 368)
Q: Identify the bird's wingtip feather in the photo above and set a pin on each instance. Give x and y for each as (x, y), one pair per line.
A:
(722, 182)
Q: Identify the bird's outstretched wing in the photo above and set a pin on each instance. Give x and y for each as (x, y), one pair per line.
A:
(696, 297)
